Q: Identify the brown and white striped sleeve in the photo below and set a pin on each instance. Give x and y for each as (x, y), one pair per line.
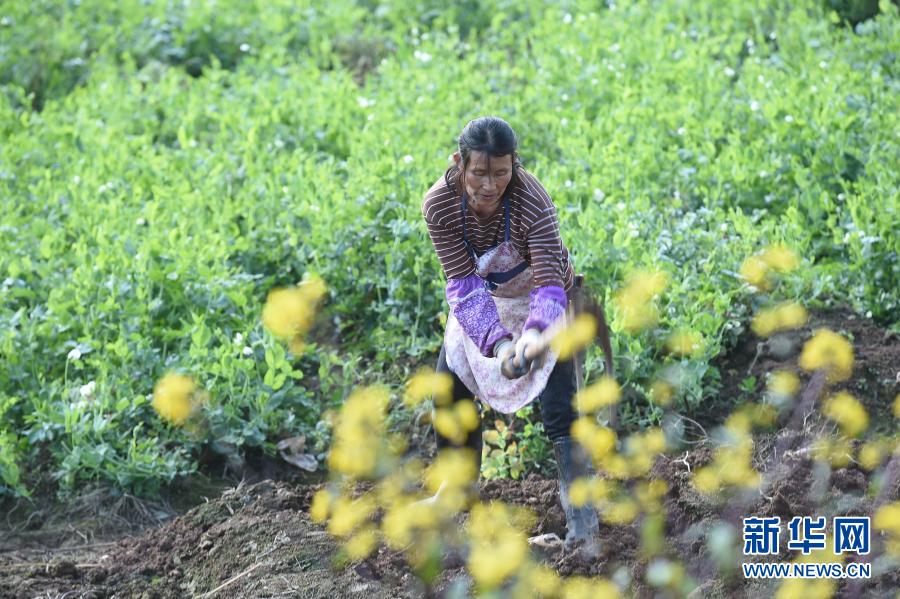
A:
(544, 242)
(439, 209)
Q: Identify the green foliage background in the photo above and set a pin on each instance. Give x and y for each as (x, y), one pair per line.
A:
(164, 164)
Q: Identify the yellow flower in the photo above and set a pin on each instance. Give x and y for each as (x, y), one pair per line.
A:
(358, 444)
(578, 587)
(783, 317)
(456, 467)
(850, 415)
(835, 452)
(784, 383)
(498, 548)
(684, 343)
(888, 518)
(172, 398)
(455, 423)
(871, 455)
(405, 517)
(646, 284)
(756, 272)
(623, 511)
(634, 300)
(467, 414)
(543, 581)
(616, 465)
(779, 257)
(604, 392)
(897, 406)
(361, 545)
(575, 336)
(598, 440)
(662, 392)
(288, 312)
(829, 351)
(428, 383)
(806, 588)
(347, 514)
(648, 494)
(320, 506)
(706, 480)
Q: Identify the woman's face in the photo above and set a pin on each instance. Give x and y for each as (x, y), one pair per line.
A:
(485, 183)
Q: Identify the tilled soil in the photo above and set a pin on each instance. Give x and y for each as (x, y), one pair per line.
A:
(258, 541)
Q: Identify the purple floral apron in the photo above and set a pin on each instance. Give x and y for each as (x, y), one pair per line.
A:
(509, 279)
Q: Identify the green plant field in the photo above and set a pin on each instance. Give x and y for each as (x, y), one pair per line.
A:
(163, 165)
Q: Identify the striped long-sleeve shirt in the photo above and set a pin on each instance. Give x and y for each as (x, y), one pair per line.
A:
(534, 232)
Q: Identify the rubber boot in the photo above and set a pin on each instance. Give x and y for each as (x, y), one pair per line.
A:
(582, 525)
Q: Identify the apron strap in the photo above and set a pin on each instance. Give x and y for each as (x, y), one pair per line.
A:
(492, 280)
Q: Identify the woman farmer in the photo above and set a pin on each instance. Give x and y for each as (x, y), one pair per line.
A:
(496, 234)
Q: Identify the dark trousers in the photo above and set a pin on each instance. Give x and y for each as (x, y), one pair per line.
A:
(557, 412)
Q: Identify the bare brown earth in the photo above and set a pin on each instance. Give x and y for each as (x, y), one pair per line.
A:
(256, 540)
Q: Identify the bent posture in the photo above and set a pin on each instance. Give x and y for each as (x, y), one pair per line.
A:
(509, 277)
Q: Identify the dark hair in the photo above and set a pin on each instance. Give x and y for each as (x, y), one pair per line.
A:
(491, 135)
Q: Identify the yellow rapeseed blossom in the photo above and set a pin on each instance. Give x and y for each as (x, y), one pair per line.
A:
(871, 455)
(358, 442)
(792, 588)
(597, 440)
(616, 465)
(684, 343)
(780, 258)
(361, 544)
(604, 392)
(320, 506)
(784, 383)
(173, 398)
(498, 548)
(662, 392)
(634, 300)
(620, 512)
(756, 272)
(706, 480)
(646, 284)
(403, 518)
(428, 383)
(887, 518)
(783, 317)
(641, 450)
(835, 452)
(347, 514)
(288, 312)
(731, 466)
(456, 467)
(648, 494)
(588, 490)
(829, 351)
(575, 336)
(456, 422)
(850, 415)
(579, 587)
(540, 580)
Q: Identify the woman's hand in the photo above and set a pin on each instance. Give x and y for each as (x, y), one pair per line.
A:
(505, 351)
(530, 347)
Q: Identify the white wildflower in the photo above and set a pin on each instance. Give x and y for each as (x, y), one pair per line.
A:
(87, 391)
